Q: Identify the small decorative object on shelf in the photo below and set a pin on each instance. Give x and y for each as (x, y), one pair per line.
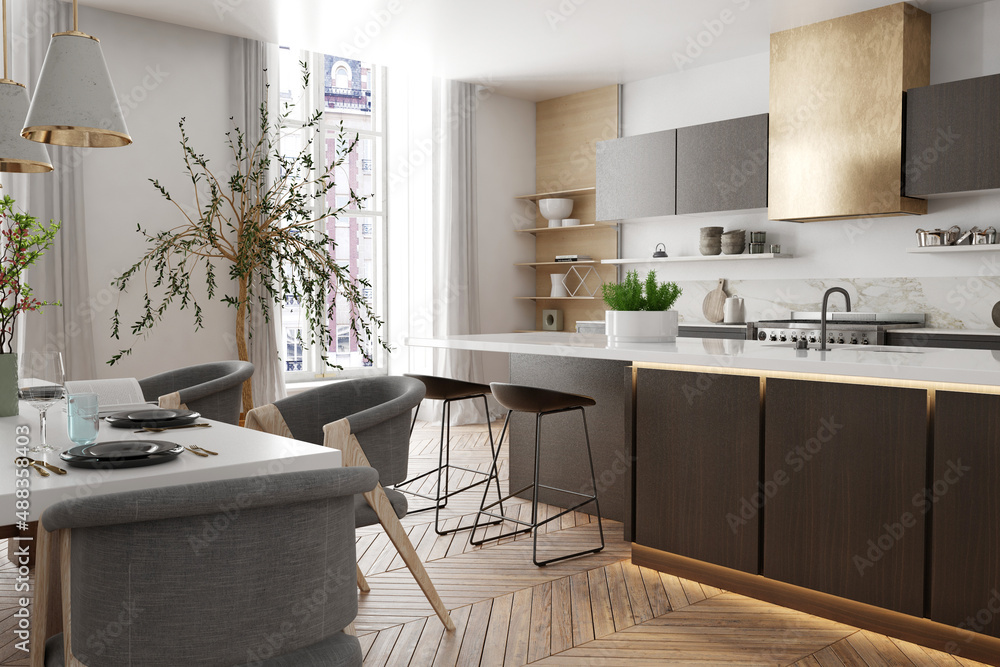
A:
(661, 250)
(578, 281)
(558, 286)
(24, 241)
(552, 320)
(640, 312)
(711, 240)
(555, 209)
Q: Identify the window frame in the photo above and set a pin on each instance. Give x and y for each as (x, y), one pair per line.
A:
(378, 215)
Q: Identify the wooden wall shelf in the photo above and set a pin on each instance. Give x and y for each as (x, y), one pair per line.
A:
(557, 298)
(945, 249)
(566, 264)
(589, 225)
(698, 258)
(561, 193)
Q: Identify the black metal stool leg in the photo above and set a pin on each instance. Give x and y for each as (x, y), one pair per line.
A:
(495, 472)
(588, 499)
(494, 450)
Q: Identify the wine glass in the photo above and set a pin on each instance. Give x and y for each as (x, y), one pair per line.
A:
(40, 382)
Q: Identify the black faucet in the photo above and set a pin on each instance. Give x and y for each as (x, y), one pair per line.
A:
(822, 321)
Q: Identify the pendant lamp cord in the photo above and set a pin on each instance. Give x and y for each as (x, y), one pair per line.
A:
(76, 17)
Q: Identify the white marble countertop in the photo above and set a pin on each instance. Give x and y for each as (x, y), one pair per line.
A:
(893, 362)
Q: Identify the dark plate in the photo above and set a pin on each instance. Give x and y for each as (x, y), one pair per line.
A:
(153, 418)
(121, 454)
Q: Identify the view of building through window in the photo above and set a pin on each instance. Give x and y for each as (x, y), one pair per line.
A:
(346, 90)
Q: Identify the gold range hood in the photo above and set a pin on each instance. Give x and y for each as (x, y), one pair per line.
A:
(835, 146)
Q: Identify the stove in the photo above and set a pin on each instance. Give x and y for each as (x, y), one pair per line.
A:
(841, 328)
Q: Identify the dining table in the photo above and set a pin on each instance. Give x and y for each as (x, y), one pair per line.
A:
(237, 452)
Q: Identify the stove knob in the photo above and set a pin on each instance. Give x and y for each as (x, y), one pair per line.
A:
(840, 340)
(830, 340)
(812, 339)
(774, 337)
(864, 341)
(782, 338)
(761, 335)
(794, 338)
(854, 341)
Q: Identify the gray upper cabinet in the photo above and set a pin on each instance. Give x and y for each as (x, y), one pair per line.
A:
(635, 176)
(722, 166)
(953, 137)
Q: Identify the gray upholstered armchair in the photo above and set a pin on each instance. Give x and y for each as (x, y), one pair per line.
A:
(213, 389)
(211, 573)
(369, 421)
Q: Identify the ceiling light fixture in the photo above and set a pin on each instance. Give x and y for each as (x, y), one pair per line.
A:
(74, 102)
(17, 154)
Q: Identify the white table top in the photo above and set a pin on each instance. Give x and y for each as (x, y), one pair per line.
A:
(242, 453)
(892, 362)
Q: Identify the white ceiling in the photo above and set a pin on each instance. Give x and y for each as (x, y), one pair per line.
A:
(532, 49)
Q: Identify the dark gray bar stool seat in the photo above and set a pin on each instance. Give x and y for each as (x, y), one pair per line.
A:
(540, 402)
(448, 390)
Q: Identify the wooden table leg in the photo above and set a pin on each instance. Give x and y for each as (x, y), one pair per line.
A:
(46, 613)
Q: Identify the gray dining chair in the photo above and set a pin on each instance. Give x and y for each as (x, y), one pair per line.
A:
(212, 389)
(368, 420)
(257, 570)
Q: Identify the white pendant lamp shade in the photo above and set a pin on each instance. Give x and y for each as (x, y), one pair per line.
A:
(17, 154)
(74, 102)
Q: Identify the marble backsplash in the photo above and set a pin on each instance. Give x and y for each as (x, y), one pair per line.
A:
(964, 302)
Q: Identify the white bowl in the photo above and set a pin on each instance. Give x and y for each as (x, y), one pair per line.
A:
(570, 222)
(555, 208)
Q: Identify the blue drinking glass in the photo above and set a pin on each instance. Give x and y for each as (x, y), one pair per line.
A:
(83, 422)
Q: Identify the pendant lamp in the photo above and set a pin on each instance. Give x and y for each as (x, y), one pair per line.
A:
(17, 154)
(74, 102)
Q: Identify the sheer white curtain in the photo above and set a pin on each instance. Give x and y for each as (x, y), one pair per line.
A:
(251, 70)
(453, 220)
(61, 273)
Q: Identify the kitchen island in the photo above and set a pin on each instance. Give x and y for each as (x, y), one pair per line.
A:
(861, 484)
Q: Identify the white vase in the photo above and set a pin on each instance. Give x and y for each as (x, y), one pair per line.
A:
(558, 286)
(641, 326)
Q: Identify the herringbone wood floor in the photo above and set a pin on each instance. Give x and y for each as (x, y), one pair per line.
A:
(595, 610)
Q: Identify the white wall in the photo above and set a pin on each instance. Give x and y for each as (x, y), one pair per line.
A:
(505, 132)
(964, 44)
(161, 72)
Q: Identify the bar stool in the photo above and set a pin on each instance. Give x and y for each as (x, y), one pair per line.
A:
(448, 390)
(540, 402)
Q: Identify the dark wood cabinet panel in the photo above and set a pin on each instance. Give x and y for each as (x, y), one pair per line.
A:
(697, 465)
(722, 166)
(845, 463)
(636, 176)
(965, 508)
(953, 137)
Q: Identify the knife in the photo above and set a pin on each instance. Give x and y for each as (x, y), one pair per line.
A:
(56, 469)
(157, 429)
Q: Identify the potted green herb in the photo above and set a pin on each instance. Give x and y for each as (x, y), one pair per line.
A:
(22, 241)
(639, 312)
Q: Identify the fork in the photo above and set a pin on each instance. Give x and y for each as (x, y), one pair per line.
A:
(195, 451)
(209, 451)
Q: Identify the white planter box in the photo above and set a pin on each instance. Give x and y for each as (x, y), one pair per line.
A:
(641, 326)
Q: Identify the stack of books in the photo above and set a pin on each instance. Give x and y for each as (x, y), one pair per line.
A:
(573, 258)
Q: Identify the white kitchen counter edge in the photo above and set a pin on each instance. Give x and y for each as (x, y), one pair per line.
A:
(980, 367)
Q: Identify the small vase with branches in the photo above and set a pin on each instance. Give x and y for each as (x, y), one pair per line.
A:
(261, 226)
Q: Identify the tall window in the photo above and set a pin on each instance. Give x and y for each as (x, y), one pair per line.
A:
(351, 92)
